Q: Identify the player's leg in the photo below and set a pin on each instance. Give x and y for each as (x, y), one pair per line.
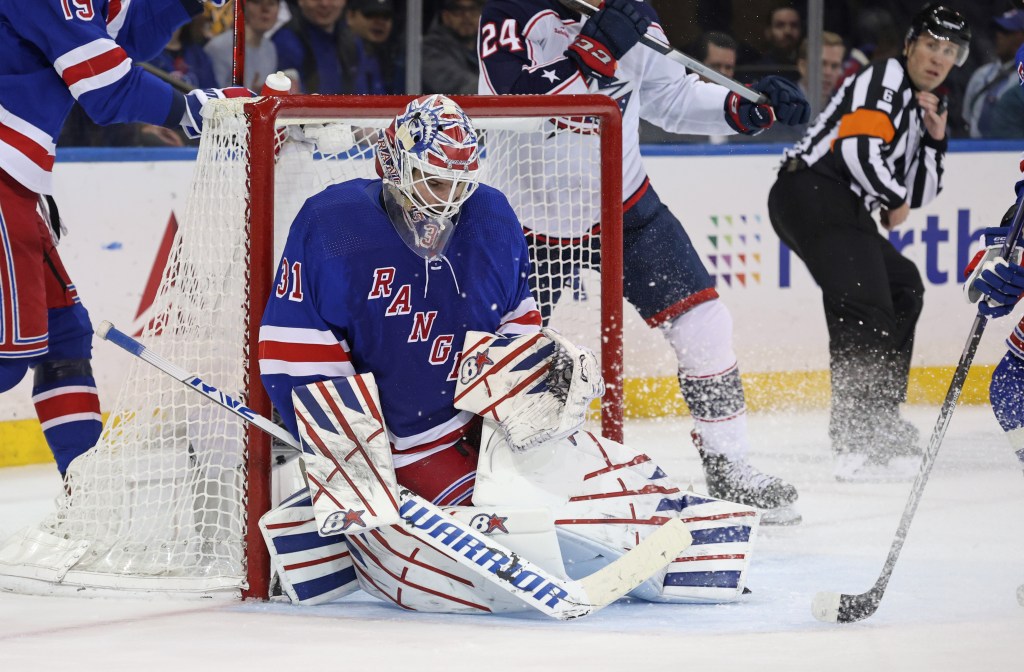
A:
(23, 330)
(309, 569)
(64, 390)
(668, 284)
(24, 336)
(1006, 392)
(444, 478)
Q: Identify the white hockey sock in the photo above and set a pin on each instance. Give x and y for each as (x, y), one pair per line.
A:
(708, 377)
(726, 437)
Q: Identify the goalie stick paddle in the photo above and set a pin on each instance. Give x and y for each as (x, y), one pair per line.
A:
(554, 596)
(842, 608)
(691, 64)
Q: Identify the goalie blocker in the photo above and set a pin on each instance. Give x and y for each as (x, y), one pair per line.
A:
(571, 504)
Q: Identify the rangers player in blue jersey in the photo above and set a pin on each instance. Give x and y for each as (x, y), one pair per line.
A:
(998, 285)
(540, 47)
(54, 53)
(415, 284)
(434, 254)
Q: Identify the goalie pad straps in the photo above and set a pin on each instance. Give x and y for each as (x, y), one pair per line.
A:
(347, 454)
(537, 387)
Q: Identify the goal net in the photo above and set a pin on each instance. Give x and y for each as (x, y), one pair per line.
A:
(168, 501)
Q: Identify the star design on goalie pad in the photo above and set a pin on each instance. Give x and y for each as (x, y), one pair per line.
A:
(550, 76)
(496, 523)
(353, 517)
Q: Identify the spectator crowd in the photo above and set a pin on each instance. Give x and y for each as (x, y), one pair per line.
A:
(358, 47)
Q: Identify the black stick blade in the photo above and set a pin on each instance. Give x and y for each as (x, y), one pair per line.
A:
(839, 608)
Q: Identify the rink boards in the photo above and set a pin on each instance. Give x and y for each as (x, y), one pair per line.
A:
(120, 203)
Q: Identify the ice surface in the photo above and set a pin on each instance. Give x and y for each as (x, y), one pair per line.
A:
(951, 604)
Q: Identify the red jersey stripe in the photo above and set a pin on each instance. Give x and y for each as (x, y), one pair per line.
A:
(302, 352)
(94, 66)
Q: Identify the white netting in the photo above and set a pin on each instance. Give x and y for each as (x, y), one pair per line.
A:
(160, 502)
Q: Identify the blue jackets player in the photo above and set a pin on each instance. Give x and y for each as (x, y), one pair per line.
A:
(386, 276)
(541, 47)
(54, 53)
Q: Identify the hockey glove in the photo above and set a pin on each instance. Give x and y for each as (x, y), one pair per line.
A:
(606, 37)
(573, 381)
(995, 282)
(195, 100)
(788, 105)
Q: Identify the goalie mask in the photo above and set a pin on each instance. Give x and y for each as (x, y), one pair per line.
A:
(430, 154)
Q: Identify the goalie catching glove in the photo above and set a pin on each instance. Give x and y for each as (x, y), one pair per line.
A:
(537, 387)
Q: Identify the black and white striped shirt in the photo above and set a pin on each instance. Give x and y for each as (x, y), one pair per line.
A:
(872, 134)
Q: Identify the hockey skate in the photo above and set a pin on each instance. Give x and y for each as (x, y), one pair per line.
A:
(890, 451)
(738, 481)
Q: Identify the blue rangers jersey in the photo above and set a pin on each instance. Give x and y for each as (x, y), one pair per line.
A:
(56, 52)
(351, 297)
(522, 47)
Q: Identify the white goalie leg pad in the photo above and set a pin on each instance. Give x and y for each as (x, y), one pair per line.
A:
(537, 387)
(606, 498)
(396, 567)
(347, 455)
(312, 569)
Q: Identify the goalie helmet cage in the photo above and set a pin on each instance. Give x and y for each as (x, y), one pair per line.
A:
(169, 500)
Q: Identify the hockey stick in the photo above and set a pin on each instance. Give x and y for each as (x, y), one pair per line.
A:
(842, 608)
(165, 76)
(674, 54)
(552, 595)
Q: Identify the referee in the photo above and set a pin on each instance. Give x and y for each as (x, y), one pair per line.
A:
(879, 144)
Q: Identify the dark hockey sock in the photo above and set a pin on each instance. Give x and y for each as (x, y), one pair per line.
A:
(68, 408)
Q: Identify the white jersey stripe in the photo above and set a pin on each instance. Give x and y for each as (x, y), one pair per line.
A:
(73, 417)
(30, 131)
(115, 23)
(299, 335)
(70, 389)
(100, 80)
(83, 53)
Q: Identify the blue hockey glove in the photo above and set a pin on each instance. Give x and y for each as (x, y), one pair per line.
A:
(995, 283)
(606, 37)
(788, 101)
(1002, 285)
(788, 105)
(192, 122)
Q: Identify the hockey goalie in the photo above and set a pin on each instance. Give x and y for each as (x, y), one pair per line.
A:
(403, 349)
